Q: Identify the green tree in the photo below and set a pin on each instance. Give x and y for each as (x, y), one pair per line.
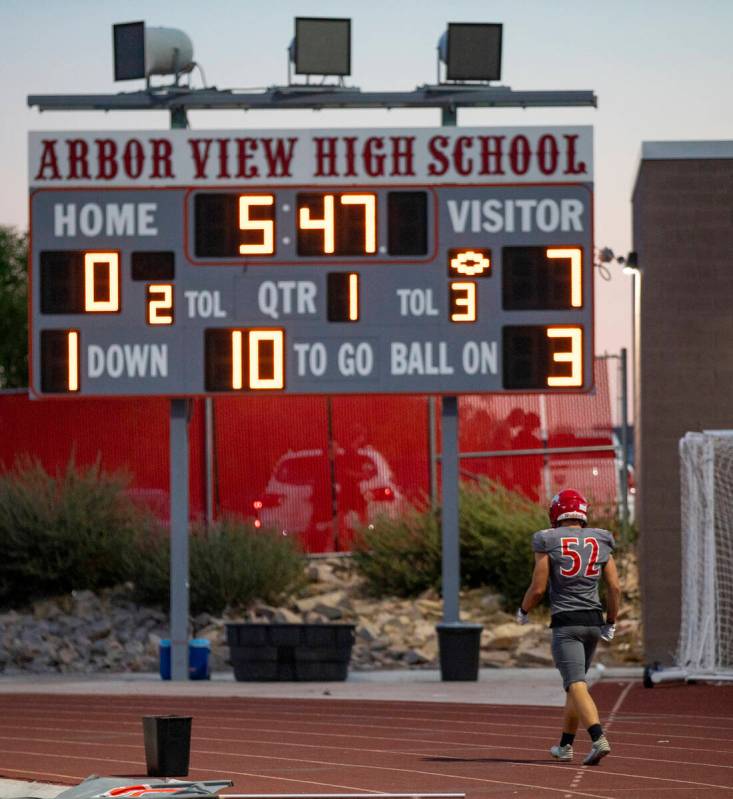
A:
(13, 308)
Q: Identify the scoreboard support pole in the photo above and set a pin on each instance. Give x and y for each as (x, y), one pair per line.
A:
(450, 539)
(179, 417)
(179, 511)
(451, 549)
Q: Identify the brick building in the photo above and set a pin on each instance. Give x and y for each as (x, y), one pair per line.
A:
(683, 234)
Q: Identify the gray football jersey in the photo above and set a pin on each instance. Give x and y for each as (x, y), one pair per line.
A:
(577, 556)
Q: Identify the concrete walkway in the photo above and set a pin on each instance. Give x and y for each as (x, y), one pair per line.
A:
(17, 789)
(537, 686)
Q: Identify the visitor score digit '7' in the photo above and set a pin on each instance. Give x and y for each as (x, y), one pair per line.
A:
(304, 264)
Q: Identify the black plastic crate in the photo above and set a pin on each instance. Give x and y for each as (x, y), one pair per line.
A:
(283, 652)
(327, 654)
(247, 653)
(320, 672)
(285, 634)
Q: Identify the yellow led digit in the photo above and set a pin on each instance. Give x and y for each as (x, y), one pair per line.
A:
(575, 256)
(369, 201)
(160, 304)
(573, 356)
(326, 224)
(73, 360)
(111, 303)
(237, 380)
(266, 359)
(462, 301)
(353, 296)
(265, 226)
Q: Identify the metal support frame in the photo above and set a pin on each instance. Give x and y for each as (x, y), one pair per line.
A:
(451, 561)
(179, 417)
(622, 448)
(510, 453)
(447, 98)
(450, 534)
(180, 413)
(624, 471)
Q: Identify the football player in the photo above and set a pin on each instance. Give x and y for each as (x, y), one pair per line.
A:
(573, 558)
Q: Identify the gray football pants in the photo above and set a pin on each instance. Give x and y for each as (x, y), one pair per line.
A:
(572, 650)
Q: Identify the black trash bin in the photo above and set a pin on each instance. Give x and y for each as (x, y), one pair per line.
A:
(459, 645)
(167, 745)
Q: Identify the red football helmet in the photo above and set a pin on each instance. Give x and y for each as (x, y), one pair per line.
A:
(568, 504)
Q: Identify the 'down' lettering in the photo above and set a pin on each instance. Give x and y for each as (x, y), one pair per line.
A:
(127, 360)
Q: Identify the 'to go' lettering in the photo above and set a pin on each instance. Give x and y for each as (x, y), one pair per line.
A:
(356, 359)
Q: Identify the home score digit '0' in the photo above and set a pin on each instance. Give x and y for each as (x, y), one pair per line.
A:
(450, 260)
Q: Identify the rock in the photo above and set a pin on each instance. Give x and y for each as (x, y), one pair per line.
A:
(99, 629)
(46, 609)
(152, 645)
(366, 633)
(427, 605)
(491, 603)
(329, 611)
(424, 631)
(202, 620)
(263, 613)
(66, 656)
(415, 657)
(98, 647)
(285, 616)
(333, 598)
(85, 604)
(497, 658)
(505, 636)
(534, 656)
(84, 632)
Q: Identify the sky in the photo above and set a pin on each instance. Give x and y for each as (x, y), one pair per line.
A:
(661, 70)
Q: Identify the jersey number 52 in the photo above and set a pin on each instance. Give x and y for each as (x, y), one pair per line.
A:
(572, 548)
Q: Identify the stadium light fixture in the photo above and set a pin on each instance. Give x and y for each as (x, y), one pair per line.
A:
(470, 52)
(321, 46)
(140, 52)
(631, 266)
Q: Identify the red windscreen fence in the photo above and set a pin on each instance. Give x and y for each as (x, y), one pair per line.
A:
(317, 467)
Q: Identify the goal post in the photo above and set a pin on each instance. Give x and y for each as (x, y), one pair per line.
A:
(705, 649)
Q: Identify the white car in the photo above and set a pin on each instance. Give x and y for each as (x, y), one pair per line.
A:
(300, 497)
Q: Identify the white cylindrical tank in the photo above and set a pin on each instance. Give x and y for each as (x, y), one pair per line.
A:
(167, 51)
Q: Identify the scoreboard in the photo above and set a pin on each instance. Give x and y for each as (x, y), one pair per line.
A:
(426, 260)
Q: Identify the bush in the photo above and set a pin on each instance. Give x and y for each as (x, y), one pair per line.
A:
(72, 530)
(231, 564)
(400, 556)
(403, 556)
(496, 539)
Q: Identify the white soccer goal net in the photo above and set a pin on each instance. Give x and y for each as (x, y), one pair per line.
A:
(706, 630)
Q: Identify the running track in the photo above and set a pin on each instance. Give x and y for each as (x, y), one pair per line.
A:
(671, 741)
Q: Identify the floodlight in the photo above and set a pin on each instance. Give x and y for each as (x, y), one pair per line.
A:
(322, 46)
(631, 267)
(140, 52)
(471, 51)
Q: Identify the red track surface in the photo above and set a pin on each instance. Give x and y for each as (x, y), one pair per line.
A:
(671, 741)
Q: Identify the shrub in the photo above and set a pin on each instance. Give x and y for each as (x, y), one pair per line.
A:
(66, 531)
(400, 556)
(403, 556)
(231, 563)
(496, 538)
